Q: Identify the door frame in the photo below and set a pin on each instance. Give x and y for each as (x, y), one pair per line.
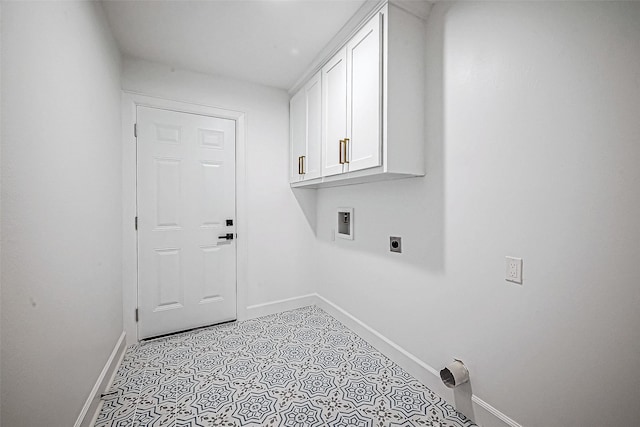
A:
(129, 102)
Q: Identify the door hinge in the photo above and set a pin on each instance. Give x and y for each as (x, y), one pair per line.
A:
(136, 223)
(135, 130)
(136, 314)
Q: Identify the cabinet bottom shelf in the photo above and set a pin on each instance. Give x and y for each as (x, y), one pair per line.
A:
(352, 178)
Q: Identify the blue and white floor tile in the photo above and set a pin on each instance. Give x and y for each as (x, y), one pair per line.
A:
(300, 368)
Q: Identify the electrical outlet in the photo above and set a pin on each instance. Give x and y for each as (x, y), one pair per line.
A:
(395, 244)
(514, 270)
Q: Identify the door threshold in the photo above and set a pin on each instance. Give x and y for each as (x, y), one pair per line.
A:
(157, 337)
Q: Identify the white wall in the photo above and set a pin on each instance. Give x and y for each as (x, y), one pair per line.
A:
(1, 51)
(61, 202)
(533, 151)
(278, 238)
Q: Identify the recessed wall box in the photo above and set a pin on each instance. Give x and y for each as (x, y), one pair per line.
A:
(395, 244)
(344, 226)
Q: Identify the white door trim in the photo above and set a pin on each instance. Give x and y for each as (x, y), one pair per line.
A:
(130, 101)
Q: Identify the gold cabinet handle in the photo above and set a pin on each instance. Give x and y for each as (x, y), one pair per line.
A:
(302, 160)
(340, 151)
(346, 143)
(300, 165)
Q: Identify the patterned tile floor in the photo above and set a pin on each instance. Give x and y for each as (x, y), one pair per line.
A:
(300, 368)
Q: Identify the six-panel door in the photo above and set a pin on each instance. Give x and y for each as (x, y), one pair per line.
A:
(185, 195)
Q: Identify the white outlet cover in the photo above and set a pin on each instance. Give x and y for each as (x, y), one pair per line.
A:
(513, 271)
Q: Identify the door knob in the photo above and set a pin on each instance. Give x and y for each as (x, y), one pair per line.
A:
(228, 236)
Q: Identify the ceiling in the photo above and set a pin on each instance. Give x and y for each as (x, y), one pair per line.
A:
(270, 42)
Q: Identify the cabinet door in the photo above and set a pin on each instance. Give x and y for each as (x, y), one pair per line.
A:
(312, 161)
(364, 86)
(334, 117)
(298, 130)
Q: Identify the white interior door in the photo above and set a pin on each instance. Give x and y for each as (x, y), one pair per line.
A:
(186, 194)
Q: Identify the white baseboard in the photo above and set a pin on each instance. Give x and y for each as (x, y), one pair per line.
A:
(470, 405)
(91, 407)
(279, 306)
(487, 415)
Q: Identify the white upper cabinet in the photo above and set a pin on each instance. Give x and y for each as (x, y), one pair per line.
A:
(313, 92)
(334, 113)
(352, 89)
(364, 98)
(372, 104)
(297, 135)
(305, 131)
